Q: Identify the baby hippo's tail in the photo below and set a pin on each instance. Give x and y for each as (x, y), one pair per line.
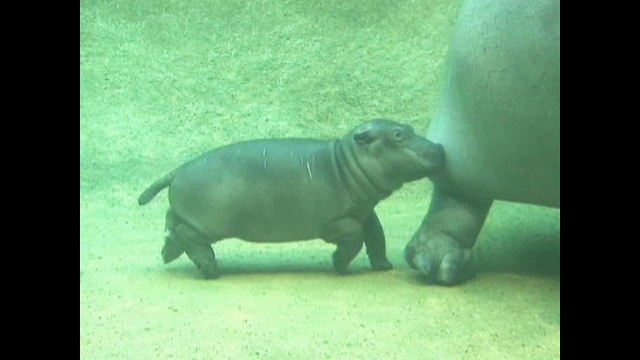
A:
(155, 188)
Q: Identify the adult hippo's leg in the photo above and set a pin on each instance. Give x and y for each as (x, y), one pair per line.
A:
(375, 243)
(441, 247)
(498, 120)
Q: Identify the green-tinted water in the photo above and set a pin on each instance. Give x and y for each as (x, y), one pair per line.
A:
(163, 81)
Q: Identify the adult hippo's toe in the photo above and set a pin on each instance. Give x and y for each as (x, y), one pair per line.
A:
(443, 261)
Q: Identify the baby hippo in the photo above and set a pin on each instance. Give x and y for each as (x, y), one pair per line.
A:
(277, 190)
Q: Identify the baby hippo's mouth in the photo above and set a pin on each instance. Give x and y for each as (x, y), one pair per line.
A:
(431, 157)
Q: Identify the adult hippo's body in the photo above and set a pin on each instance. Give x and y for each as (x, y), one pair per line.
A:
(499, 122)
(275, 190)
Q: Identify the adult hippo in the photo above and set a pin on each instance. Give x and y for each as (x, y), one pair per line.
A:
(279, 190)
(499, 122)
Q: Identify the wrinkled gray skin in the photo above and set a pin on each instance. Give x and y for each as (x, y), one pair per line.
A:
(499, 122)
(293, 189)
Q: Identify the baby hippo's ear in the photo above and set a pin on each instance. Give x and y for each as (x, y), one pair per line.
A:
(363, 136)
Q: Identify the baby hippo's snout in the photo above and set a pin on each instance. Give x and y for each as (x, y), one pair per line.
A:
(428, 157)
(433, 154)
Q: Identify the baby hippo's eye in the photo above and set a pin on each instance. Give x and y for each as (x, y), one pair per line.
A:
(398, 135)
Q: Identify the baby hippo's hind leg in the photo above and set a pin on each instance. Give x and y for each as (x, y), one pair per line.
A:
(173, 248)
(182, 237)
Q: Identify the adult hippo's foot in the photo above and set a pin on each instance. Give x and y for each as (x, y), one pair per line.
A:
(441, 247)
